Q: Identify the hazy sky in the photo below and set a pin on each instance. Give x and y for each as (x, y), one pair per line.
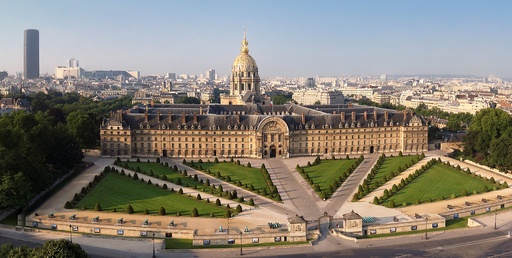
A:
(287, 38)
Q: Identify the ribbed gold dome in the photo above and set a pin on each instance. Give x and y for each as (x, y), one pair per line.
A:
(244, 62)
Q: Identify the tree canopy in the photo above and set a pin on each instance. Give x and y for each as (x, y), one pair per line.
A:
(61, 248)
(188, 100)
(489, 138)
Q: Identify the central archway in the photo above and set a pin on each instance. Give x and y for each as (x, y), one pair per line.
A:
(273, 138)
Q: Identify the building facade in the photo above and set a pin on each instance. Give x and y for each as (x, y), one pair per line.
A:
(255, 129)
(310, 97)
(31, 54)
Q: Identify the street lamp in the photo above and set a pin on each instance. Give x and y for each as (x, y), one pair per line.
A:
(241, 253)
(495, 214)
(70, 234)
(426, 226)
(154, 245)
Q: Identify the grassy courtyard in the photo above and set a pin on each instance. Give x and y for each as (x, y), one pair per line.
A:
(327, 174)
(439, 182)
(249, 176)
(117, 191)
(391, 165)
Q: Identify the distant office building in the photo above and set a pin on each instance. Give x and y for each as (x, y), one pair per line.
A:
(311, 97)
(31, 54)
(210, 74)
(383, 78)
(310, 83)
(3, 75)
(72, 71)
(171, 76)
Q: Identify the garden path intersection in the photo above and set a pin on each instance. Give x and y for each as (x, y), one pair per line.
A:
(297, 198)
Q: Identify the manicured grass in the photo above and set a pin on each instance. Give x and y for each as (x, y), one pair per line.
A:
(173, 176)
(327, 172)
(249, 176)
(11, 219)
(437, 183)
(117, 191)
(391, 165)
(175, 243)
(450, 224)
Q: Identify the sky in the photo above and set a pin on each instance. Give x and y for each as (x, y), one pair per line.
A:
(287, 38)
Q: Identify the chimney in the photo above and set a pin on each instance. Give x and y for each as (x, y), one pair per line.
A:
(158, 116)
(365, 116)
(238, 118)
(169, 117)
(386, 115)
(343, 117)
(334, 112)
(375, 115)
(183, 118)
(195, 117)
(303, 118)
(353, 116)
(146, 116)
(349, 105)
(405, 114)
(152, 103)
(201, 110)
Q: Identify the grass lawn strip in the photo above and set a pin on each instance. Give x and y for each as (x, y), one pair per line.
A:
(176, 243)
(391, 165)
(438, 183)
(328, 174)
(172, 176)
(249, 176)
(117, 191)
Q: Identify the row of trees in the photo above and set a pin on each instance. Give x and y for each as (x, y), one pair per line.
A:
(51, 248)
(489, 139)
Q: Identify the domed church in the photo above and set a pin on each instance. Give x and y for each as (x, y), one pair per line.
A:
(245, 80)
(245, 125)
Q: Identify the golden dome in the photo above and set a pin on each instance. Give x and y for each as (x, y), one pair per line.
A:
(244, 62)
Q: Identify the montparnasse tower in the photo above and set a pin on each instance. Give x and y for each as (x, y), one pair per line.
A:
(245, 79)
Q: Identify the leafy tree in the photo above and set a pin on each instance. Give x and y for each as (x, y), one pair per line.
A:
(15, 191)
(83, 128)
(61, 248)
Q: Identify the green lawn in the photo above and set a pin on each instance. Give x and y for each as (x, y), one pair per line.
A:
(450, 224)
(160, 170)
(391, 165)
(438, 182)
(249, 176)
(328, 171)
(176, 243)
(117, 191)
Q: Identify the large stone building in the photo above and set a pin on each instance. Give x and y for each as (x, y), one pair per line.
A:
(245, 126)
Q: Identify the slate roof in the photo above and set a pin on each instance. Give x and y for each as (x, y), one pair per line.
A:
(248, 117)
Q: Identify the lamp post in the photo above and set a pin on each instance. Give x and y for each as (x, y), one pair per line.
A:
(70, 234)
(154, 245)
(241, 253)
(426, 226)
(495, 214)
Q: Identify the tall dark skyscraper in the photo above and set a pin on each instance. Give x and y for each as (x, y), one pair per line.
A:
(31, 54)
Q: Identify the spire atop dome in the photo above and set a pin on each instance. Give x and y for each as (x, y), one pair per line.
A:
(245, 48)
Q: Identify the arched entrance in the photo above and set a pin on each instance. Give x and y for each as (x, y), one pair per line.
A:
(273, 138)
(272, 151)
(371, 149)
(164, 153)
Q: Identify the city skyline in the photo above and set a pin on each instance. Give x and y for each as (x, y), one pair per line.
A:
(286, 38)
